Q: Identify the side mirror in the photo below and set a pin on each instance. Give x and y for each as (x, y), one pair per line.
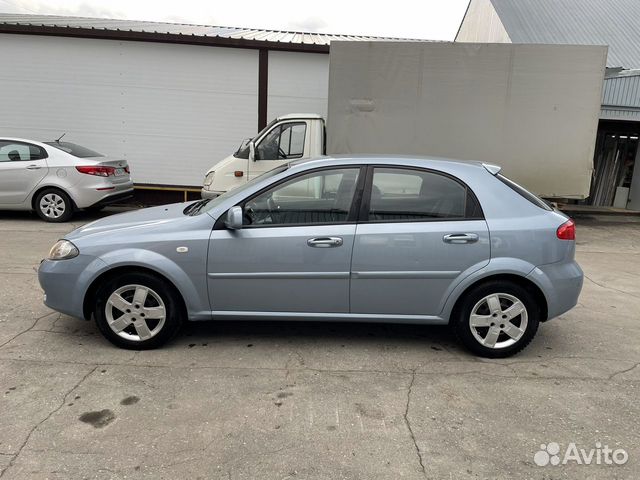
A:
(252, 151)
(233, 221)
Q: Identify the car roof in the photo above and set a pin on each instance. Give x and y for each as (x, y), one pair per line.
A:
(438, 163)
(16, 139)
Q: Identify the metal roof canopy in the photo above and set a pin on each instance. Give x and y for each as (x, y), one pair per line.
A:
(615, 23)
(105, 28)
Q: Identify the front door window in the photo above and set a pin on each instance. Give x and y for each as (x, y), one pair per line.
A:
(284, 142)
(316, 198)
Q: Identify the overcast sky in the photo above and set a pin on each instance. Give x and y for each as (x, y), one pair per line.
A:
(431, 19)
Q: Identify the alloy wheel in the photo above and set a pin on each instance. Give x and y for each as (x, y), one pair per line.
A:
(52, 205)
(135, 312)
(498, 320)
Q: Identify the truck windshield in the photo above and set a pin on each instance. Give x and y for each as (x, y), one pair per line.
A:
(206, 205)
(243, 149)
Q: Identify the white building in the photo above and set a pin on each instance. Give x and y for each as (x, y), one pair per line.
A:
(172, 99)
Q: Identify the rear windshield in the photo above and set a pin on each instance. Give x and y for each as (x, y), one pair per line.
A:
(537, 201)
(75, 150)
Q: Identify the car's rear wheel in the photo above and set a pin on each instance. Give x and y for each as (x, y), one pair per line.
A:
(138, 311)
(496, 319)
(53, 205)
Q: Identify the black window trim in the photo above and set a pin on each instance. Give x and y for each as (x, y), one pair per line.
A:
(363, 216)
(28, 144)
(354, 209)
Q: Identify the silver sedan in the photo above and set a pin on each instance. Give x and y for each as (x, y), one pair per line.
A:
(56, 178)
(380, 239)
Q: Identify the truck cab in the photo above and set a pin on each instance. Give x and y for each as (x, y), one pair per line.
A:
(289, 137)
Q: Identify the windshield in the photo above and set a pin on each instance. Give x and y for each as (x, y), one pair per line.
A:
(243, 149)
(206, 205)
(75, 150)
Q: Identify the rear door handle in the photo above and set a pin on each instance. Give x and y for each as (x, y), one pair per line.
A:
(34, 167)
(460, 238)
(324, 242)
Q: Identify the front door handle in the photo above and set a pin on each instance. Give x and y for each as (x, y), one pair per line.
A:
(34, 167)
(460, 238)
(324, 242)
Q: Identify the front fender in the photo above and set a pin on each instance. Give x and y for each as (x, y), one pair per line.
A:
(192, 285)
(496, 266)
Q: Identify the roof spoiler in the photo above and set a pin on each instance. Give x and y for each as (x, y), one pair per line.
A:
(492, 169)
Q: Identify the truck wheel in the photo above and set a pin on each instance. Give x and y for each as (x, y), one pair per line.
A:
(138, 311)
(53, 205)
(496, 319)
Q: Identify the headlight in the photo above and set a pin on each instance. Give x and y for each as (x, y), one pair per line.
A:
(62, 250)
(208, 179)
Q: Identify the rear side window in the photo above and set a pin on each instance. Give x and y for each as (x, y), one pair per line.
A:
(537, 201)
(20, 151)
(75, 150)
(415, 195)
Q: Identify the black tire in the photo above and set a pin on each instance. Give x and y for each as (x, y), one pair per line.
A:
(173, 305)
(461, 318)
(48, 213)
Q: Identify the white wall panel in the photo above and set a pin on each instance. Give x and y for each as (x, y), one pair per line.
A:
(298, 83)
(171, 110)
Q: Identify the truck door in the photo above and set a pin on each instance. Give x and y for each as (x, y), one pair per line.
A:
(285, 142)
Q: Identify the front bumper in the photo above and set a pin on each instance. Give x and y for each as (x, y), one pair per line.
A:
(561, 283)
(65, 282)
(204, 193)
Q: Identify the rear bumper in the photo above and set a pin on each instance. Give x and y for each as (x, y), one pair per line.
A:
(113, 198)
(561, 283)
(95, 191)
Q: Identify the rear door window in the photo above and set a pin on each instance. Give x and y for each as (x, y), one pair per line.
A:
(402, 194)
(11, 151)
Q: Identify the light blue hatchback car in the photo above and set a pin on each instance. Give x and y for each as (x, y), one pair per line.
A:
(360, 238)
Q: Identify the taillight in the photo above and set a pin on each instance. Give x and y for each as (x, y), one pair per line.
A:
(567, 231)
(98, 171)
(126, 169)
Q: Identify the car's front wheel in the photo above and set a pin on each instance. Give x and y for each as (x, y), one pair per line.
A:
(53, 205)
(496, 319)
(138, 311)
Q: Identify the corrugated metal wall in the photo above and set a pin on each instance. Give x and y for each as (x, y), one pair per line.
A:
(171, 110)
(298, 83)
(621, 98)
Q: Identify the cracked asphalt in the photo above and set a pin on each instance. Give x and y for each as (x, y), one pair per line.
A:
(309, 400)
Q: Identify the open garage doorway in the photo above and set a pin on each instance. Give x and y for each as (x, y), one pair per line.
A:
(616, 154)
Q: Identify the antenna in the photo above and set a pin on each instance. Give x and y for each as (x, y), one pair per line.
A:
(60, 137)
